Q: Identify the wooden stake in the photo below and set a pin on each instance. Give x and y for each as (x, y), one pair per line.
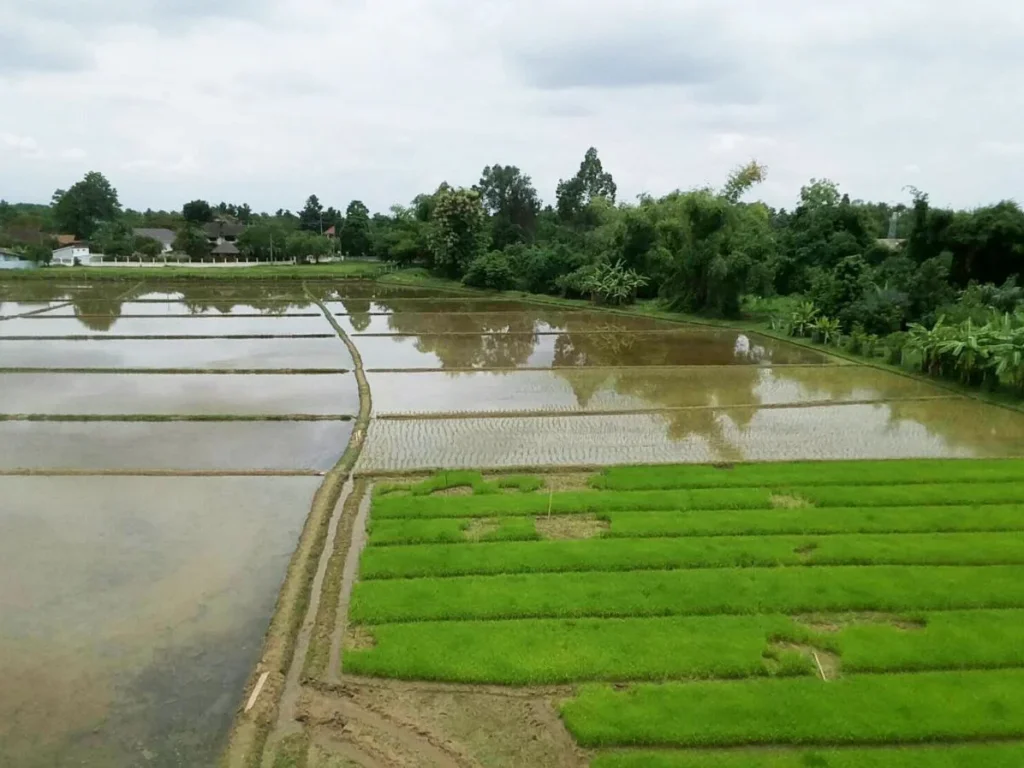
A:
(256, 691)
(821, 670)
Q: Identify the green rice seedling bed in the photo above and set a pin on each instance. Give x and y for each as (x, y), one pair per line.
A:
(450, 530)
(1010, 755)
(569, 502)
(691, 592)
(549, 651)
(948, 640)
(815, 521)
(705, 552)
(460, 478)
(909, 472)
(865, 709)
(911, 495)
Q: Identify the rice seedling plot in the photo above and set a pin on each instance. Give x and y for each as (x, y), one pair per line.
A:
(133, 609)
(195, 394)
(536, 320)
(183, 446)
(213, 354)
(956, 427)
(166, 326)
(845, 614)
(633, 389)
(588, 349)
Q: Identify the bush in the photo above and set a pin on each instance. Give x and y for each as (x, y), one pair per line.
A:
(491, 270)
(879, 310)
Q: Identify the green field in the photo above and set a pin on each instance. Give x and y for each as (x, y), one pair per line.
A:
(834, 615)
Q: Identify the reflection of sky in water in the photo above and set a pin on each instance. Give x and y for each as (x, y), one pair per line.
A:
(132, 610)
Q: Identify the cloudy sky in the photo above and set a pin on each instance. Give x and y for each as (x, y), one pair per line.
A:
(268, 101)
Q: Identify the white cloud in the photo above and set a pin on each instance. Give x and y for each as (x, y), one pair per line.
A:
(270, 101)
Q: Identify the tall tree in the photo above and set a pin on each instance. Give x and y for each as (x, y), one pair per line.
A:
(87, 204)
(113, 238)
(509, 196)
(192, 240)
(576, 194)
(197, 212)
(355, 233)
(458, 230)
(311, 216)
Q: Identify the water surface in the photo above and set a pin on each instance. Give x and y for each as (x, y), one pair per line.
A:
(132, 611)
(640, 389)
(45, 326)
(696, 346)
(535, 321)
(227, 354)
(154, 393)
(184, 446)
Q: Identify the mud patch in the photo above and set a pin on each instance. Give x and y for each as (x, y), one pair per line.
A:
(831, 623)
(787, 501)
(573, 481)
(359, 639)
(566, 527)
(788, 658)
(480, 528)
(459, 490)
(806, 550)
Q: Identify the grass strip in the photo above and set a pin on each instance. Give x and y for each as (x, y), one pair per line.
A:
(695, 592)
(697, 523)
(953, 640)
(552, 651)
(707, 552)
(814, 521)
(905, 472)
(945, 756)
(570, 502)
(868, 709)
(450, 530)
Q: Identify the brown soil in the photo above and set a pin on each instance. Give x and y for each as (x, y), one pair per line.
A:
(562, 527)
(390, 724)
(806, 549)
(782, 501)
(572, 481)
(479, 528)
(359, 639)
(459, 490)
(828, 665)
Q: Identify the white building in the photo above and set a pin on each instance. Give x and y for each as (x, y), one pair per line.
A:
(163, 236)
(69, 255)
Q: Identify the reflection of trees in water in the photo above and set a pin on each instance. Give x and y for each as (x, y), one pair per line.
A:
(265, 297)
(358, 311)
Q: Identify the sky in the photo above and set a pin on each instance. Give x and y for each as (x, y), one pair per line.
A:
(269, 101)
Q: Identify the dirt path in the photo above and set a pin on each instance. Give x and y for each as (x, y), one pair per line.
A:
(348, 580)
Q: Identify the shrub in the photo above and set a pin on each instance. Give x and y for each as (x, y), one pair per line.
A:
(491, 270)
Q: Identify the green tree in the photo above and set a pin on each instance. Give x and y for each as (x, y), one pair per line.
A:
(742, 179)
(355, 233)
(303, 245)
(576, 194)
(191, 240)
(113, 238)
(40, 253)
(311, 216)
(147, 246)
(458, 232)
(509, 196)
(86, 205)
(197, 212)
(265, 240)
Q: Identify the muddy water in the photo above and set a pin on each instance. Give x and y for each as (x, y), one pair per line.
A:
(227, 354)
(576, 349)
(185, 446)
(103, 393)
(132, 611)
(641, 389)
(938, 428)
(536, 321)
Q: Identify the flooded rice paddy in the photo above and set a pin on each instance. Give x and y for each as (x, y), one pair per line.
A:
(132, 608)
